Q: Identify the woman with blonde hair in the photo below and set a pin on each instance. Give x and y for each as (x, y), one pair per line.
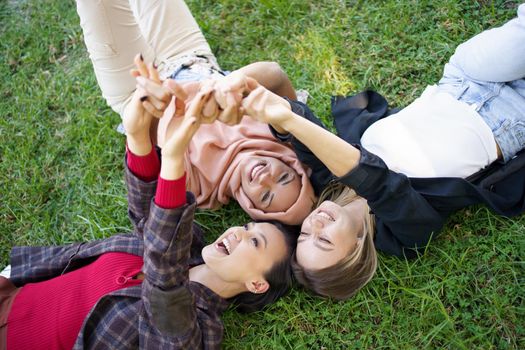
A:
(342, 279)
(459, 144)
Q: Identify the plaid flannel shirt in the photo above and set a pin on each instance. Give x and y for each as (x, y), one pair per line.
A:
(166, 311)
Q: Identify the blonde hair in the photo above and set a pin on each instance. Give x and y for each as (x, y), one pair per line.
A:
(344, 279)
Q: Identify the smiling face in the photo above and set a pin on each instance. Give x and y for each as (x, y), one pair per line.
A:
(330, 233)
(271, 185)
(246, 253)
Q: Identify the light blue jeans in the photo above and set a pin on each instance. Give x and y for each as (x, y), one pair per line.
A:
(488, 71)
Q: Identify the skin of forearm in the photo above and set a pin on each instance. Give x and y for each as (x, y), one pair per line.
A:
(339, 156)
(284, 87)
(271, 76)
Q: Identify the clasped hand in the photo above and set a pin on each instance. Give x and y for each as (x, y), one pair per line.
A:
(155, 95)
(232, 97)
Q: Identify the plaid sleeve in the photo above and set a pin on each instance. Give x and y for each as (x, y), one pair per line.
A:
(34, 264)
(140, 194)
(167, 243)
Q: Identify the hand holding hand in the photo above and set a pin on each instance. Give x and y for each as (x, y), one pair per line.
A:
(137, 120)
(176, 145)
(157, 94)
(224, 105)
(229, 92)
(266, 107)
(140, 119)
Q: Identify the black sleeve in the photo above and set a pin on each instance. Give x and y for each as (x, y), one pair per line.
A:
(405, 220)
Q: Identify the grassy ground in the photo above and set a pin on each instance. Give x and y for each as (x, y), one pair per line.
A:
(61, 161)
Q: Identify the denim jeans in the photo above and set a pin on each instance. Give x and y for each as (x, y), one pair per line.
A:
(488, 72)
(196, 69)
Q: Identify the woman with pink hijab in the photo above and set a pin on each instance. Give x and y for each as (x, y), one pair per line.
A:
(241, 161)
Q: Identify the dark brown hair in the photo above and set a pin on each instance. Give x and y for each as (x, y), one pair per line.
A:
(279, 277)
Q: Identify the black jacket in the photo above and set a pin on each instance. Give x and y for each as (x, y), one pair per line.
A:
(409, 211)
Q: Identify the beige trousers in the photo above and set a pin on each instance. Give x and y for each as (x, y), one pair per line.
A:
(116, 30)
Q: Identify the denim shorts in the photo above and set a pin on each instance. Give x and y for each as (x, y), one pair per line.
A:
(189, 68)
(195, 68)
(501, 105)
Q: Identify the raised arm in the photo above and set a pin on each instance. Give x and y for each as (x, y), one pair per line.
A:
(405, 219)
(142, 162)
(270, 108)
(168, 301)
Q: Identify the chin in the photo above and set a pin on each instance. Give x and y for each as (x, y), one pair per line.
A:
(206, 254)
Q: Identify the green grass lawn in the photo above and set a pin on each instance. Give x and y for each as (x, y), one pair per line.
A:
(61, 161)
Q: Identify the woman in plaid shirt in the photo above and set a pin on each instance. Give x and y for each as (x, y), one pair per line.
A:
(137, 290)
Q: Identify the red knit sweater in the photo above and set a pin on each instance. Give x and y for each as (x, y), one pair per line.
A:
(49, 314)
(170, 193)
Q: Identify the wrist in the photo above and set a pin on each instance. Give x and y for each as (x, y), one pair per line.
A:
(279, 129)
(287, 123)
(139, 145)
(172, 168)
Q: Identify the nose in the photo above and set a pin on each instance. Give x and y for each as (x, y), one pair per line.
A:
(317, 223)
(265, 179)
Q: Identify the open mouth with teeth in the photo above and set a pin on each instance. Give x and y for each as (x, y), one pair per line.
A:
(256, 170)
(224, 246)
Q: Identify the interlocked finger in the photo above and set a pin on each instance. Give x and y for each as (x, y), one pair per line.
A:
(230, 115)
(210, 111)
(176, 89)
(148, 106)
(153, 73)
(141, 66)
(154, 89)
(250, 103)
(197, 105)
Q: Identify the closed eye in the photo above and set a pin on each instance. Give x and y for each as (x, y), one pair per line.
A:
(324, 240)
(265, 196)
(286, 178)
(283, 177)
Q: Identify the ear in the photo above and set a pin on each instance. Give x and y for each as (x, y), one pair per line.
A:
(257, 286)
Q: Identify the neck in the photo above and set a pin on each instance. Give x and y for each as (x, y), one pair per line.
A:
(203, 275)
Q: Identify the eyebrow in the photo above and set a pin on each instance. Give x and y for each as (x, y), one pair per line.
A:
(263, 237)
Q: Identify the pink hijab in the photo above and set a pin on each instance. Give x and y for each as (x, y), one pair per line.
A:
(214, 155)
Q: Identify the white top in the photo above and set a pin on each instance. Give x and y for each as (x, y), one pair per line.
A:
(435, 136)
